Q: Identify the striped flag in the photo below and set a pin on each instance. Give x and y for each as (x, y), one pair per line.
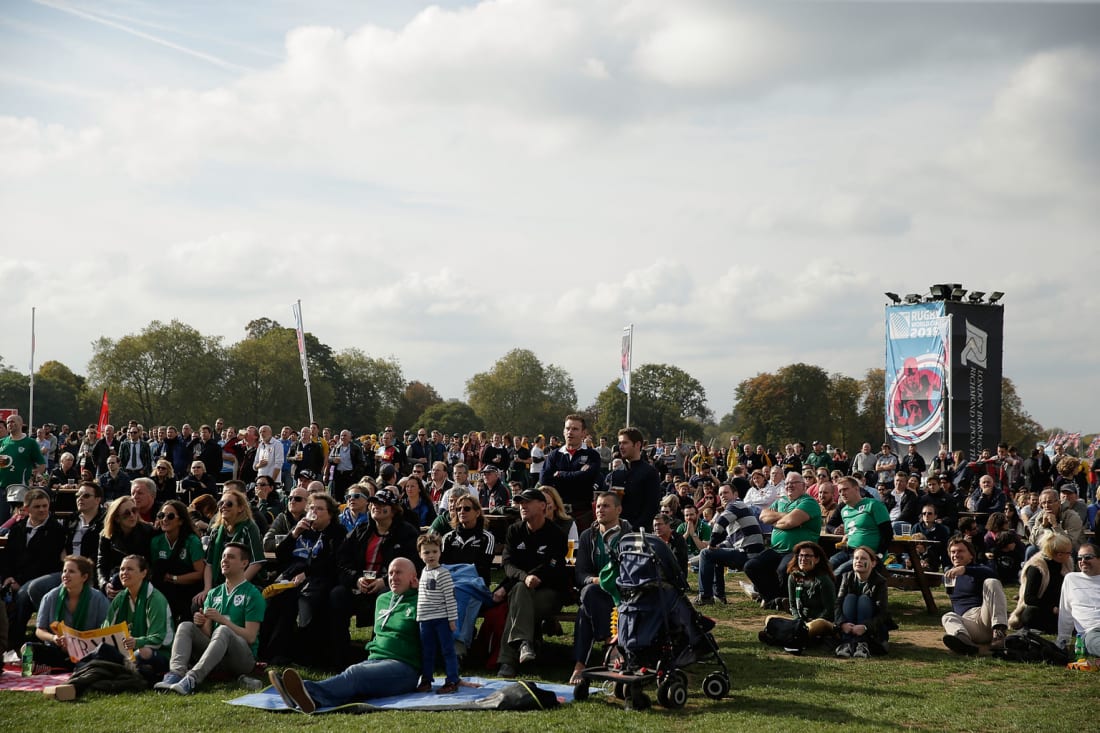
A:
(624, 380)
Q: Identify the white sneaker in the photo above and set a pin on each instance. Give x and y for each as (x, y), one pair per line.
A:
(862, 651)
(526, 652)
(750, 591)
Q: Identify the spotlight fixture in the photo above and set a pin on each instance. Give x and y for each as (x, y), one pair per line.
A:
(995, 296)
(894, 297)
(958, 293)
(975, 296)
(939, 292)
(913, 298)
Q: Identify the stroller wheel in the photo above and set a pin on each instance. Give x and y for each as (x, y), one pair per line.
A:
(620, 691)
(580, 691)
(716, 685)
(672, 693)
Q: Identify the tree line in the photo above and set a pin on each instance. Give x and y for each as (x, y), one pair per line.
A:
(170, 373)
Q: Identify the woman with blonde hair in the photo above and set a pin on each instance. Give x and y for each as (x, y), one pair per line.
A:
(555, 512)
(123, 534)
(233, 523)
(165, 479)
(1041, 585)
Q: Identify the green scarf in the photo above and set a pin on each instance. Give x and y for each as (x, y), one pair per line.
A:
(139, 624)
(81, 616)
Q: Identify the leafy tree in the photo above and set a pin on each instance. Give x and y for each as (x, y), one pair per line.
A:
(1018, 427)
(167, 373)
(264, 383)
(846, 426)
(62, 397)
(872, 406)
(450, 417)
(416, 398)
(520, 395)
(754, 410)
(665, 401)
(368, 391)
(14, 390)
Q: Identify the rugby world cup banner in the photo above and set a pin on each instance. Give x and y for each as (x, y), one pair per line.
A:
(916, 374)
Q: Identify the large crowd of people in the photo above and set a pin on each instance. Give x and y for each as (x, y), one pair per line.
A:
(221, 547)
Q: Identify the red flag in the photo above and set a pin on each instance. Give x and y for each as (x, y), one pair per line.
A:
(104, 411)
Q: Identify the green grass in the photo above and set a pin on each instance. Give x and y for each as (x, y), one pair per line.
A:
(919, 686)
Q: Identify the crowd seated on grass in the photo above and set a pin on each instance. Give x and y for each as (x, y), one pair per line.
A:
(328, 563)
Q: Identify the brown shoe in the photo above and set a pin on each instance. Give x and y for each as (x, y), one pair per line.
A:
(296, 690)
(425, 687)
(448, 689)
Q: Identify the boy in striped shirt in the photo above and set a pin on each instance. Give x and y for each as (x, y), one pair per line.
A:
(437, 614)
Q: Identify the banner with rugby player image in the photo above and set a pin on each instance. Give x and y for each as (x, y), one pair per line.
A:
(916, 374)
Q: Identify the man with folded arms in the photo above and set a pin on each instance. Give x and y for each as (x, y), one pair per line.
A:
(392, 666)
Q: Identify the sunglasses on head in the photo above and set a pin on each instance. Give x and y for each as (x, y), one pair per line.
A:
(162, 515)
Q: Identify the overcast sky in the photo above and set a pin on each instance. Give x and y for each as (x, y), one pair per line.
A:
(445, 183)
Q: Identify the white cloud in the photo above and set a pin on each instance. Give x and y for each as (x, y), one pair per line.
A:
(741, 181)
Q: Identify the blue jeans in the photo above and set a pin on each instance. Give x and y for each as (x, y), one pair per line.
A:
(436, 632)
(856, 609)
(372, 678)
(720, 558)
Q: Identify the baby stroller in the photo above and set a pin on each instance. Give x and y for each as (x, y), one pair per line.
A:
(659, 632)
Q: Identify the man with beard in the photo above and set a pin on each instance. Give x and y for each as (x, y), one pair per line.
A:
(640, 484)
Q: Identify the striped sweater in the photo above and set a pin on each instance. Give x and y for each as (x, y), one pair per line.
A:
(436, 597)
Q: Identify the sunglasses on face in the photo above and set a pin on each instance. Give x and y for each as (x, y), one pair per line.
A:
(85, 496)
(226, 505)
(356, 496)
(465, 509)
(297, 498)
(162, 515)
(1085, 558)
(124, 513)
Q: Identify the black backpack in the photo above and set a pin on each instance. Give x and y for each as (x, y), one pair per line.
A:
(789, 633)
(1030, 648)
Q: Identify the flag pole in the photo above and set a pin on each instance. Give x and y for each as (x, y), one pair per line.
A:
(30, 407)
(628, 358)
(297, 308)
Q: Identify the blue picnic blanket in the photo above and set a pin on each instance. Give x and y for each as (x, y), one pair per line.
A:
(467, 698)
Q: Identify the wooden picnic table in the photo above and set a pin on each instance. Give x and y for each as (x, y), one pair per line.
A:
(898, 546)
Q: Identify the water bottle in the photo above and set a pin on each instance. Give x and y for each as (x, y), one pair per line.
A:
(1078, 651)
(28, 660)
